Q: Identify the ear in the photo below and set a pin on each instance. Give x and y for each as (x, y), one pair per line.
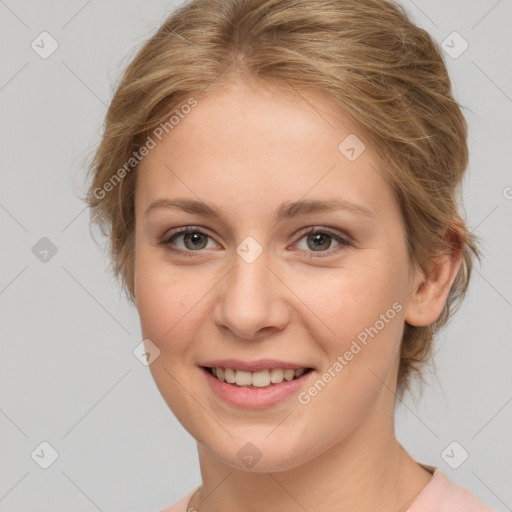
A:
(432, 287)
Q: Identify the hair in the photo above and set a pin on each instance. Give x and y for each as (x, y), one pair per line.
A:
(372, 64)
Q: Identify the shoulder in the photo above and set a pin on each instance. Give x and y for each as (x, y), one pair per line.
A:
(181, 505)
(442, 495)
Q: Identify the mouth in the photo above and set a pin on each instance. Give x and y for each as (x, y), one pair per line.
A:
(266, 378)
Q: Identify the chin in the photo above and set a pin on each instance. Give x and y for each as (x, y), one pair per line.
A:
(259, 454)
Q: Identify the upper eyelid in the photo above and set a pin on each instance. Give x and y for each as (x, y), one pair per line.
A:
(184, 230)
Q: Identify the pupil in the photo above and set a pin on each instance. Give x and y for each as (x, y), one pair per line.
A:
(196, 238)
(319, 237)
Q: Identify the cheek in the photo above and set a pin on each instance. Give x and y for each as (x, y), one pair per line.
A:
(159, 302)
(358, 297)
(170, 301)
(364, 312)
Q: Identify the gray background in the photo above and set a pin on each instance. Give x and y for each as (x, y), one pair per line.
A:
(68, 375)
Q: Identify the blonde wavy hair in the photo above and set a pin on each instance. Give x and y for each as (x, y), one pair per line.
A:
(371, 63)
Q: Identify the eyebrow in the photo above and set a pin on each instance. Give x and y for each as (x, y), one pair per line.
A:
(286, 211)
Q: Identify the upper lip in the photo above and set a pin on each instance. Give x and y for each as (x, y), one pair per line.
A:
(252, 366)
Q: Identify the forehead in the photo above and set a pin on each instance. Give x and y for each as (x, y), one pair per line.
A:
(242, 145)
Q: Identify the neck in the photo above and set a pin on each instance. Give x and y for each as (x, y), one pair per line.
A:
(367, 470)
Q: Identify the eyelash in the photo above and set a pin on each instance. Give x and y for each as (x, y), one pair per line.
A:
(344, 242)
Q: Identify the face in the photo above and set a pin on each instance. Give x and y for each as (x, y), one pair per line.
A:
(268, 286)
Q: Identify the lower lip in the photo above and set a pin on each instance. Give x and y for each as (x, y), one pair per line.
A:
(252, 398)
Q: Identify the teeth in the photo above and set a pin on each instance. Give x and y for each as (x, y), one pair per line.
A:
(289, 373)
(243, 378)
(259, 379)
(229, 375)
(276, 375)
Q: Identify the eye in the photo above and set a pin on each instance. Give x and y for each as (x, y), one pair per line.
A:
(319, 240)
(193, 239)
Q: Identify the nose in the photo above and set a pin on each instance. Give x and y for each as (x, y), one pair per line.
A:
(252, 300)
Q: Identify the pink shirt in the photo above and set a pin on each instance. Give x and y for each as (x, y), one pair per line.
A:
(439, 495)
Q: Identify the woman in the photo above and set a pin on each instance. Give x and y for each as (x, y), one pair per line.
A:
(278, 180)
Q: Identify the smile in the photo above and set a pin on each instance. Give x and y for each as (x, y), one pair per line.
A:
(257, 379)
(258, 389)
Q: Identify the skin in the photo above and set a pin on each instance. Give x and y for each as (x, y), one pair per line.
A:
(247, 149)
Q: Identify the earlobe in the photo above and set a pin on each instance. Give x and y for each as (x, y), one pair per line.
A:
(429, 296)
